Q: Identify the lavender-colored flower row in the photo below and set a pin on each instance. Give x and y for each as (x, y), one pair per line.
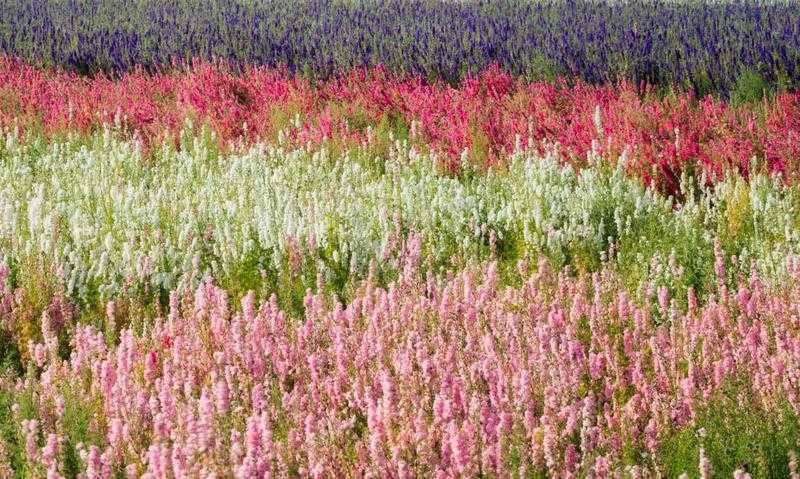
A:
(707, 46)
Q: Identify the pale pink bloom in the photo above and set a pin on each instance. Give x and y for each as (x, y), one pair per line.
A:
(704, 465)
(222, 398)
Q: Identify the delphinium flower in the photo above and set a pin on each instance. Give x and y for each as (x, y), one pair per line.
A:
(454, 375)
(704, 466)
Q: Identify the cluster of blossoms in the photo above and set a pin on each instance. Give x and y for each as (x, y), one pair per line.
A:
(427, 377)
(491, 115)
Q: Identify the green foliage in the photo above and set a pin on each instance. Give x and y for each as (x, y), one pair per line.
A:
(750, 87)
(79, 424)
(542, 69)
(736, 433)
(9, 433)
(701, 83)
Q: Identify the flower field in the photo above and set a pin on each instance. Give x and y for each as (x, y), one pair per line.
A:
(710, 46)
(399, 239)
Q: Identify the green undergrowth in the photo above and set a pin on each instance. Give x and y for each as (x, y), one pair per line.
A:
(735, 433)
